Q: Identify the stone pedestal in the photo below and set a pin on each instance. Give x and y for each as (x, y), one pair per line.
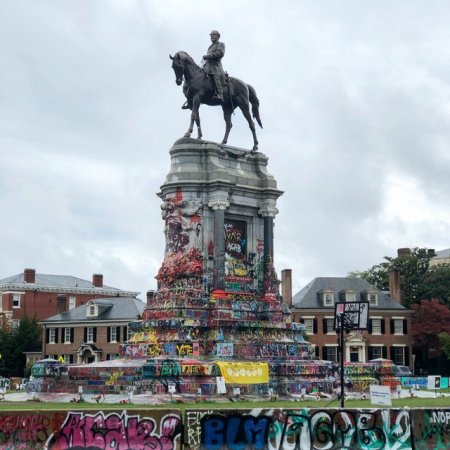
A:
(218, 298)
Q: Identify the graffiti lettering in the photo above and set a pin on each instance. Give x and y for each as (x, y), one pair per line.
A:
(234, 432)
(122, 431)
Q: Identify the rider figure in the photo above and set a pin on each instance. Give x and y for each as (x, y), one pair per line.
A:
(213, 65)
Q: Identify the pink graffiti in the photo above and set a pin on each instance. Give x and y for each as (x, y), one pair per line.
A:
(114, 431)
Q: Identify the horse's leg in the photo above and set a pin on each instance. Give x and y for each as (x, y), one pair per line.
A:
(246, 111)
(199, 128)
(228, 124)
(194, 114)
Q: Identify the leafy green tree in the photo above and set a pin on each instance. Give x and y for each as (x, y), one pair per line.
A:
(414, 271)
(444, 339)
(26, 337)
(436, 284)
(377, 276)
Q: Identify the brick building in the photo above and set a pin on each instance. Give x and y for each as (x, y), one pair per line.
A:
(389, 328)
(42, 295)
(92, 332)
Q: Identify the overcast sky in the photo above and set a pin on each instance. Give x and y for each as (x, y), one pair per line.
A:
(355, 103)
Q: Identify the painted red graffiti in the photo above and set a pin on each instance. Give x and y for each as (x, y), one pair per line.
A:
(115, 431)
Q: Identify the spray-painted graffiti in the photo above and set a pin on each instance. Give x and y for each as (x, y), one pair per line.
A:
(307, 429)
(18, 431)
(431, 429)
(225, 349)
(116, 430)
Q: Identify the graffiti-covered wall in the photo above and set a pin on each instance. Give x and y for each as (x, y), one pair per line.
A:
(307, 429)
(58, 430)
(233, 429)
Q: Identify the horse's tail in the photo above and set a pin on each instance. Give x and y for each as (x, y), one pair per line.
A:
(255, 104)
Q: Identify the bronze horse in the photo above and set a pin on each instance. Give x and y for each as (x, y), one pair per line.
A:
(200, 90)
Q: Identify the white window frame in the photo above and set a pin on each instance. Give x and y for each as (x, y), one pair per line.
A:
(72, 302)
(309, 324)
(129, 333)
(67, 335)
(379, 348)
(52, 335)
(91, 310)
(398, 327)
(15, 323)
(113, 334)
(350, 297)
(373, 299)
(328, 299)
(16, 298)
(402, 362)
(330, 321)
(376, 330)
(90, 335)
(335, 347)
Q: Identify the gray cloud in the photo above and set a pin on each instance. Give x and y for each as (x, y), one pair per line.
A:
(354, 101)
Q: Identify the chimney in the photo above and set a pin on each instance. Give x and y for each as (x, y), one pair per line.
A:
(394, 285)
(286, 286)
(97, 280)
(403, 252)
(29, 276)
(150, 297)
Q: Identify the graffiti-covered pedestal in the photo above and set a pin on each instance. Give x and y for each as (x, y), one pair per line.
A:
(217, 310)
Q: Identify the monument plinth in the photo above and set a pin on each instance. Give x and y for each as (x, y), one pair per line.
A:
(217, 310)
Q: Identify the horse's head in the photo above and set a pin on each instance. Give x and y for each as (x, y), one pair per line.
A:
(178, 67)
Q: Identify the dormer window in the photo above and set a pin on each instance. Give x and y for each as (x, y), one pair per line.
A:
(350, 296)
(328, 299)
(92, 310)
(373, 299)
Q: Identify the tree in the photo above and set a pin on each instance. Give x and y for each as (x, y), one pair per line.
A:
(444, 339)
(14, 342)
(436, 284)
(431, 318)
(377, 276)
(414, 271)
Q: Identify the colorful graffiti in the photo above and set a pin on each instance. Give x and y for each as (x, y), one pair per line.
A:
(95, 430)
(276, 429)
(238, 429)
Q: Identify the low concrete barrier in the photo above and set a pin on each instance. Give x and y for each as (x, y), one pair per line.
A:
(234, 429)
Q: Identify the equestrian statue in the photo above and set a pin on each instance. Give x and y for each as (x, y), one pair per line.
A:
(211, 86)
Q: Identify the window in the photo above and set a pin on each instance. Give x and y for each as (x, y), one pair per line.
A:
(309, 326)
(129, 333)
(398, 326)
(373, 299)
(15, 323)
(329, 323)
(16, 301)
(91, 310)
(376, 326)
(67, 335)
(375, 352)
(350, 297)
(72, 302)
(52, 336)
(90, 335)
(328, 299)
(398, 355)
(113, 335)
(330, 353)
(111, 356)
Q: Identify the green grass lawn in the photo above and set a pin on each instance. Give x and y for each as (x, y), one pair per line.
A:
(439, 402)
